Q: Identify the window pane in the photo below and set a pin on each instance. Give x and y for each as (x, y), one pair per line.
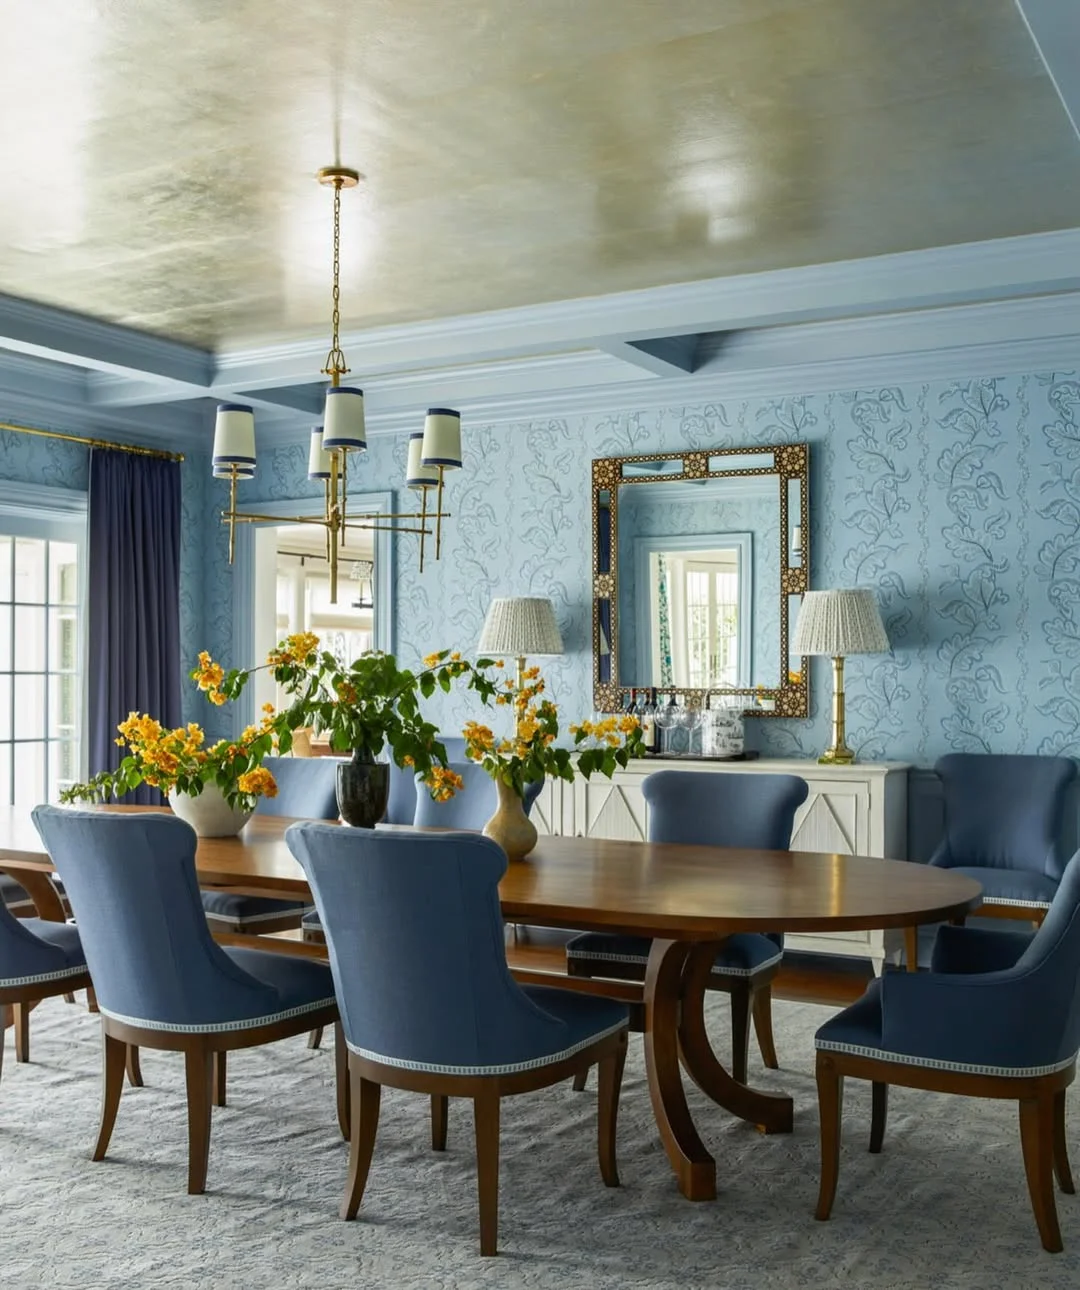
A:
(5, 774)
(5, 707)
(5, 638)
(29, 707)
(29, 639)
(5, 567)
(30, 570)
(29, 774)
(63, 640)
(65, 699)
(63, 573)
(63, 766)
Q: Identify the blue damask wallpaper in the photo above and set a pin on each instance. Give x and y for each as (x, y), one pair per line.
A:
(958, 502)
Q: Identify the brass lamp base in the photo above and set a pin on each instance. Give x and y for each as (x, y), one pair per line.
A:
(838, 753)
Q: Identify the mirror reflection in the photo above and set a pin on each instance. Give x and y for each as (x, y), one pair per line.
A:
(699, 583)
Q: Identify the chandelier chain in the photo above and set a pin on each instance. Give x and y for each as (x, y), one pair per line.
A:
(335, 359)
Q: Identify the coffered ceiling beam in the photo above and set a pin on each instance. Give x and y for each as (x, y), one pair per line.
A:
(663, 355)
(1054, 26)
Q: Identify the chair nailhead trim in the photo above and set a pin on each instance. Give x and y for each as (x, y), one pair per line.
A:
(931, 1063)
(1022, 904)
(510, 1068)
(10, 982)
(220, 1027)
(640, 960)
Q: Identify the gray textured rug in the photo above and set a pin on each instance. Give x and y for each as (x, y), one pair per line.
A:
(944, 1205)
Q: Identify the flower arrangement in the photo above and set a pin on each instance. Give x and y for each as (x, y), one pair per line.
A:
(177, 760)
(532, 753)
(364, 706)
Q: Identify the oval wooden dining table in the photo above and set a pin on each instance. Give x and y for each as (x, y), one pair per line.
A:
(687, 899)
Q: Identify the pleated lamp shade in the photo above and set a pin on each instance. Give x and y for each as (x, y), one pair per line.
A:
(839, 623)
(519, 625)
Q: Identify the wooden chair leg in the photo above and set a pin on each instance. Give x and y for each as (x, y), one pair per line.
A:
(830, 1107)
(911, 948)
(131, 1064)
(761, 1008)
(91, 999)
(220, 1076)
(69, 997)
(365, 1097)
(609, 1076)
(315, 1038)
(879, 1114)
(1061, 1150)
(199, 1069)
(740, 1031)
(115, 1053)
(342, 1085)
(21, 1014)
(1037, 1141)
(581, 1079)
(486, 1116)
(439, 1109)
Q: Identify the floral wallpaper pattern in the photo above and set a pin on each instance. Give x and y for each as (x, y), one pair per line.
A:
(958, 502)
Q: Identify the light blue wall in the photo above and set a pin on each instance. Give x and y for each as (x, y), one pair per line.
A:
(959, 502)
(53, 462)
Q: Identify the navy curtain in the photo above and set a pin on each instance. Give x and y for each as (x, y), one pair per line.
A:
(133, 599)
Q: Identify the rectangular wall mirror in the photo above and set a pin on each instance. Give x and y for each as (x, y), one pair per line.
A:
(699, 560)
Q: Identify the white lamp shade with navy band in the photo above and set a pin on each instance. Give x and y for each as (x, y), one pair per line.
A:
(234, 439)
(442, 438)
(343, 422)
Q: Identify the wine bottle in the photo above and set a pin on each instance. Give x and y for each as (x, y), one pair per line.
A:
(656, 746)
(647, 717)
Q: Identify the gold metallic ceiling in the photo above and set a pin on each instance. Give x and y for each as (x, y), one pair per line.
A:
(156, 156)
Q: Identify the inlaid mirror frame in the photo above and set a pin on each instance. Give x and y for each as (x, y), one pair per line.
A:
(789, 462)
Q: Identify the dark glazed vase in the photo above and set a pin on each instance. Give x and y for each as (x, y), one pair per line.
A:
(363, 787)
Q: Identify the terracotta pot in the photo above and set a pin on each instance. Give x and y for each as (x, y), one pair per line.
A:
(363, 789)
(510, 827)
(209, 814)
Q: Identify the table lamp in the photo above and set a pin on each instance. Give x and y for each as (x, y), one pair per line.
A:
(838, 623)
(520, 625)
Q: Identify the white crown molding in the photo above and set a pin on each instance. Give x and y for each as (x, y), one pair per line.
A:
(160, 427)
(41, 501)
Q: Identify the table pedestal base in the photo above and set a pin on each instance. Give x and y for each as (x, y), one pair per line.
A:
(675, 982)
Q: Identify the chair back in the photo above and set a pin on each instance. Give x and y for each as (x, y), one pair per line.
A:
(1050, 967)
(307, 788)
(133, 890)
(705, 808)
(415, 937)
(470, 808)
(401, 808)
(22, 954)
(1004, 811)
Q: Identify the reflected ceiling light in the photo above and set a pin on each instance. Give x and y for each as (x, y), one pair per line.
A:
(363, 571)
(432, 451)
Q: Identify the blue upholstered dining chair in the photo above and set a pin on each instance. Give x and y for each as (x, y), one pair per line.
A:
(307, 789)
(160, 979)
(997, 1015)
(1003, 817)
(699, 808)
(471, 806)
(38, 959)
(419, 913)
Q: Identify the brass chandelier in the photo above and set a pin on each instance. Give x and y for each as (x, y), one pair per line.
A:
(432, 451)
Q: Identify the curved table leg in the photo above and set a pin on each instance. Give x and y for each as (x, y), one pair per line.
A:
(694, 1167)
(771, 1112)
(38, 886)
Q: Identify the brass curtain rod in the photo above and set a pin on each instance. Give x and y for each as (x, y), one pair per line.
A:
(135, 448)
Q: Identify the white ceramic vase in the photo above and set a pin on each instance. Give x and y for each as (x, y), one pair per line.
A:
(209, 814)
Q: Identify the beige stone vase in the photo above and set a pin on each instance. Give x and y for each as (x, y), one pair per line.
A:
(510, 827)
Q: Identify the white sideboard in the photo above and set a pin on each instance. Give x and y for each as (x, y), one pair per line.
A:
(852, 810)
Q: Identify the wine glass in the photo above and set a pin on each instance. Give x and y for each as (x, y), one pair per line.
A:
(667, 718)
(690, 720)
